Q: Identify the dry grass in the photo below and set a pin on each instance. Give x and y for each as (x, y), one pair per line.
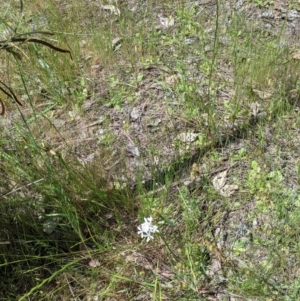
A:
(150, 118)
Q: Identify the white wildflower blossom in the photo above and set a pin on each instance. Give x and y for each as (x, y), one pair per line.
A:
(146, 228)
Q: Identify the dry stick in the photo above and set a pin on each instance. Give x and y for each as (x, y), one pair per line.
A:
(9, 44)
(6, 44)
(2, 107)
(11, 94)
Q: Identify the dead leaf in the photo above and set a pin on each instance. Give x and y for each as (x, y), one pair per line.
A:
(255, 108)
(167, 274)
(220, 180)
(148, 266)
(144, 296)
(187, 137)
(116, 43)
(132, 257)
(154, 122)
(277, 5)
(296, 55)
(58, 123)
(173, 79)
(94, 263)
(197, 170)
(167, 22)
(194, 171)
(228, 190)
(267, 94)
(111, 8)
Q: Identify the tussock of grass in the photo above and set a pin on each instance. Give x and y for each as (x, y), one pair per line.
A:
(104, 140)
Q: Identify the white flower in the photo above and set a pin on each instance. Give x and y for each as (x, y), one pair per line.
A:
(147, 228)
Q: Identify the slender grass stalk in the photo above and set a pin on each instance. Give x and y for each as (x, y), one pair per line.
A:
(47, 280)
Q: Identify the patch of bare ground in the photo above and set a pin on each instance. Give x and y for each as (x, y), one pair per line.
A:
(141, 133)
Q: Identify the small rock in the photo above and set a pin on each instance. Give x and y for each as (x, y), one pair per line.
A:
(267, 15)
(135, 114)
(58, 122)
(293, 14)
(133, 150)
